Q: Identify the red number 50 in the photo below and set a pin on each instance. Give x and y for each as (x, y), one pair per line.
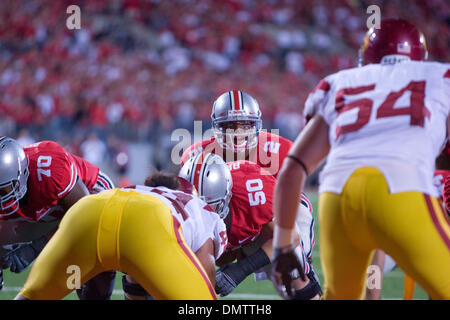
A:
(416, 110)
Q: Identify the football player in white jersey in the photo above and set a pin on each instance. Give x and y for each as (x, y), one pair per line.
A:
(142, 231)
(382, 126)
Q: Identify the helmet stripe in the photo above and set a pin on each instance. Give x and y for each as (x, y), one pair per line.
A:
(236, 100)
(241, 97)
(202, 173)
(196, 173)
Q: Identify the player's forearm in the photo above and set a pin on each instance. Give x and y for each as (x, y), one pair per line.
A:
(205, 256)
(267, 235)
(27, 231)
(23, 231)
(267, 247)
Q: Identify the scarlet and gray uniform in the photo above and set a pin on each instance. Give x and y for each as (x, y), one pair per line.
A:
(53, 174)
(270, 152)
(251, 208)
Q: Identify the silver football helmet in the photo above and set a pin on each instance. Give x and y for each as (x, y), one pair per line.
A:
(13, 175)
(211, 177)
(236, 120)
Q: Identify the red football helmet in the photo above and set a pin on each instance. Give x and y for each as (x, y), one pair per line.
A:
(394, 38)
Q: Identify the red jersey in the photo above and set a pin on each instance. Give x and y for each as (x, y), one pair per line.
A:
(442, 182)
(53, 174)
(251, 202)
(251, 206)
(269, 154)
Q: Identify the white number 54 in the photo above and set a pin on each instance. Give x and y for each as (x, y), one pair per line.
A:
(43, 162)
(256, 196)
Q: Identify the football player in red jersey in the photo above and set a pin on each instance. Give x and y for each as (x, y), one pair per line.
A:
(39, 183)
(236, 120)
(248, 216)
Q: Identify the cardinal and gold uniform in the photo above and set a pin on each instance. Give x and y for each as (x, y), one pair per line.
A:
(148, 233)
(387, 125)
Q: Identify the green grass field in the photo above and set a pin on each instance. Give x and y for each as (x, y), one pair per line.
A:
(247, 290)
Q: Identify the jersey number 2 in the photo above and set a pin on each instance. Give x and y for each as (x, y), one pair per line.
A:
(416, 110)
(43, 162)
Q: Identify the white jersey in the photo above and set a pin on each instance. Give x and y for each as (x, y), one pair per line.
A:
(198, 221)
(392, 117)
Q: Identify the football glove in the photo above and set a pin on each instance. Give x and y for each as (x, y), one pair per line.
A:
(22, 255)
(230, 275)
(285, 263)
(224, 283)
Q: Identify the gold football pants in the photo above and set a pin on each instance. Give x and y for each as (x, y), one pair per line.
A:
(409, 226)
(119, 230)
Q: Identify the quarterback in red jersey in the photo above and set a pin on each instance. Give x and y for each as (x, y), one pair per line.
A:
(39, 183)
(246, 206)
(237, 123)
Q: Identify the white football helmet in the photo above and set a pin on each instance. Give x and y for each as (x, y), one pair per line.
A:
(211, 177)
(13, 175)
(236, 120)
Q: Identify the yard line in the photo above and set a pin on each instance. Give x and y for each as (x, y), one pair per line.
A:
(10, 289)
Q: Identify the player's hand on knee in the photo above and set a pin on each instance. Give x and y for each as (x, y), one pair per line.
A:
(286, 265)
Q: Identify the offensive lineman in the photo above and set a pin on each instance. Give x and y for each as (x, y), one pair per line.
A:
(39, 183)
(165, 239)
(376, 190)
(236, 119)
(246, 207)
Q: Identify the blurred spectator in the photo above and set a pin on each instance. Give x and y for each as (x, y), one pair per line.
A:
(24, 138)
(93, 149)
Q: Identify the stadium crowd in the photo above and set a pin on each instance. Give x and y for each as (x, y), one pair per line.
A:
(137, 69)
